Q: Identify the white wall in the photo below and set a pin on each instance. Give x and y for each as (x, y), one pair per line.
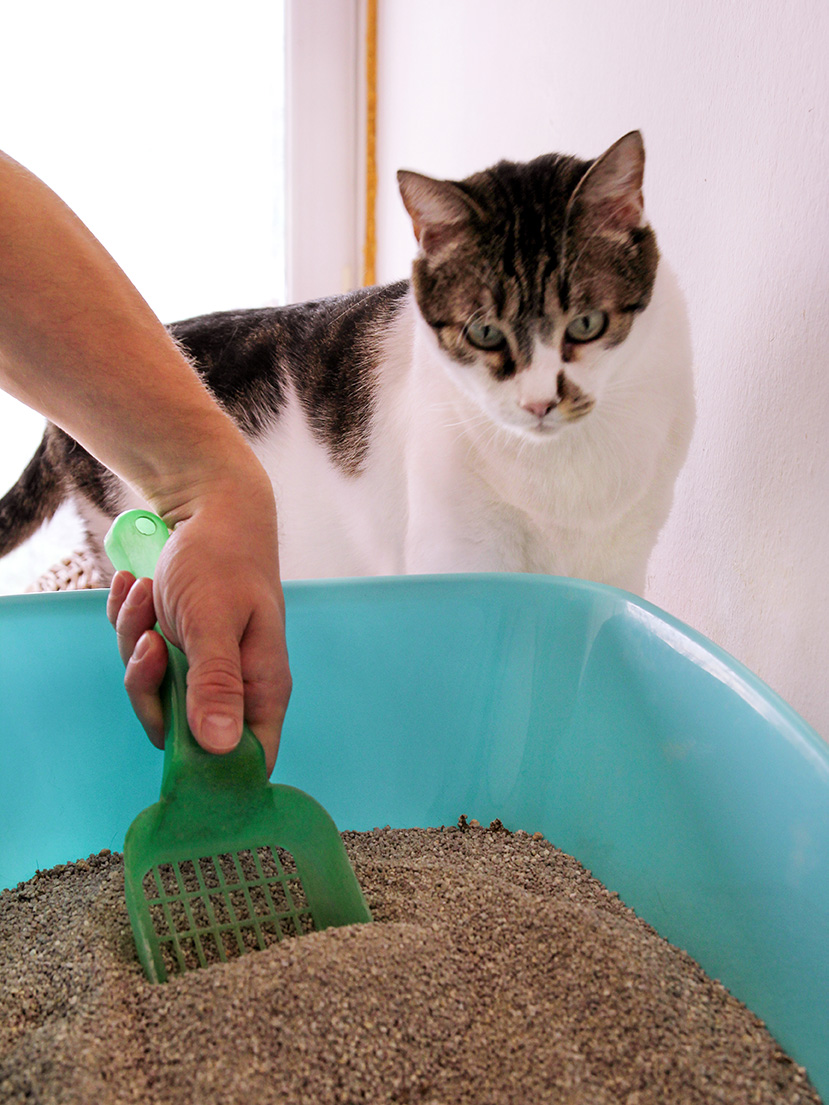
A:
(323, 147)
(733, 101)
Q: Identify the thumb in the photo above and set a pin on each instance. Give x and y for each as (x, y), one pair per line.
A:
(215, 694)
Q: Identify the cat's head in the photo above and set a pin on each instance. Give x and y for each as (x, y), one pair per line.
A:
(531, 276)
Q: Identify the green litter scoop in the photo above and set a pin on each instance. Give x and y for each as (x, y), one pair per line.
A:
(225, 862)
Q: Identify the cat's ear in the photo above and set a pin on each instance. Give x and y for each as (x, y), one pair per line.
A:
(440, 211)
(609, 195)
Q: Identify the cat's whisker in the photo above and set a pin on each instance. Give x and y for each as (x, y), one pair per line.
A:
(474, 417)
(462, 422)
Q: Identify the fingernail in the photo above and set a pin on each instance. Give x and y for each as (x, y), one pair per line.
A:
(143, 591)
(220, 733)
(118, 588)
(141, 648)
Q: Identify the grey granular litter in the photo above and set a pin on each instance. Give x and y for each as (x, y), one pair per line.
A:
(499, 971)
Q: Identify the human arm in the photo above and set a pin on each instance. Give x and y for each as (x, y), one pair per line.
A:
(80, 345)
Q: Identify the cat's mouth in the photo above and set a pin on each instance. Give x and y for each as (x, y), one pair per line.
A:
(538, 430)
(545, 427)
(557, 421)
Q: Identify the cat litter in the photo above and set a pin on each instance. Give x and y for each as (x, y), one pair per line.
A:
(497, 970)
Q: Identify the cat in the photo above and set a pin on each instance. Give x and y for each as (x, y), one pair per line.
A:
(523, 403)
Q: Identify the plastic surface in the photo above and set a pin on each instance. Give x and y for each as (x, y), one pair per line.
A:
(206, 874)
(135, 541)
(670, 771)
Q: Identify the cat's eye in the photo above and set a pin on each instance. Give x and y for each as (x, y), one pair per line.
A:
(483, 335)
(588, 327)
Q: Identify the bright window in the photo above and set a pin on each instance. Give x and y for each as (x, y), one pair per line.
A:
(162, 126)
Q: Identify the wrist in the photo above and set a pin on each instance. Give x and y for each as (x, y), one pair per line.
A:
(220, 468)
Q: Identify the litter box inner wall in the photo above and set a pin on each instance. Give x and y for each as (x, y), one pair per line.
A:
(77, 766)
(424, 713)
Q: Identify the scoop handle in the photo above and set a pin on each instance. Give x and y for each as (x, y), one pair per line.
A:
(134, 542)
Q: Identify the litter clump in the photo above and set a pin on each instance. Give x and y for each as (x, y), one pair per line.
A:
(497, 970)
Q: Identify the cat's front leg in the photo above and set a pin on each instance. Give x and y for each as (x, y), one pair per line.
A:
(455, 520)
(433, 555)
(445, 535)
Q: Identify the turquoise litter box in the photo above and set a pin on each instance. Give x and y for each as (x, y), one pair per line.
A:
(629, 740)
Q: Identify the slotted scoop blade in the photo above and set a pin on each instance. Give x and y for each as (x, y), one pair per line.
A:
(225, 862)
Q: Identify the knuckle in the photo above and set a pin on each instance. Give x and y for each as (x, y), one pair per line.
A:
(217, 677)
(136, 612)
(134, 685)
(270, 687)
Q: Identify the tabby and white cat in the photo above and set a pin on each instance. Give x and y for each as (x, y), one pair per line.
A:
(523, 404)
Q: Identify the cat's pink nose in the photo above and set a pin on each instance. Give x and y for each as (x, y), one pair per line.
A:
(539, 407)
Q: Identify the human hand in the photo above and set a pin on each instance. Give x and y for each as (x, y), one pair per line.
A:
(217, 596)
(143, 412)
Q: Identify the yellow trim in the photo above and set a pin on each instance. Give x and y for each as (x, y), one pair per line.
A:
(370, 241)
